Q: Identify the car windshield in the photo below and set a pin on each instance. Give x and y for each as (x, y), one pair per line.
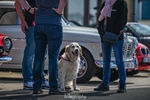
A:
(141, 29)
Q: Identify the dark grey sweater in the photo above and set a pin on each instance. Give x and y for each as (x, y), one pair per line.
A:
(45, 14)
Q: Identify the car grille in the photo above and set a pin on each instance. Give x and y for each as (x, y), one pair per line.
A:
(145, 51)
(127, 51)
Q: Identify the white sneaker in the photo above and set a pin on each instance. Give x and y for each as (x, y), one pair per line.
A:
(45, 85)
(28, 85)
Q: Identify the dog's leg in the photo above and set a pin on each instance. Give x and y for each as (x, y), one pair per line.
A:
(68, 85)
(75, 85)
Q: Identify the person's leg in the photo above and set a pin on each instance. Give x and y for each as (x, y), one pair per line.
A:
(28, 58)
(118, 51)
(54, 42)
(54, 34)
(45, 83)
(40, 47)
(106, 50)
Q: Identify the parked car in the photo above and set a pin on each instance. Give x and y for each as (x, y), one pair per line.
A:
(5, 47)
(89, 39)
(143, 57)
(140, 31)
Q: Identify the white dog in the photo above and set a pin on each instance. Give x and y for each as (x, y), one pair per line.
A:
(69, 66)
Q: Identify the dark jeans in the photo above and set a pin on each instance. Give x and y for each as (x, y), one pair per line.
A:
(29, 56)
(44, 35)
(118, 51)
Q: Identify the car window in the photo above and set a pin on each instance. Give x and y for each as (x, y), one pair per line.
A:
(9, 17)
(141, 29)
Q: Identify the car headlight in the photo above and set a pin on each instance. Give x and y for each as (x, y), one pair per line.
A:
(1, 50)
(7, 44)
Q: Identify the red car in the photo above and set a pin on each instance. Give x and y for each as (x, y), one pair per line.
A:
(5, 47)
(143, 56)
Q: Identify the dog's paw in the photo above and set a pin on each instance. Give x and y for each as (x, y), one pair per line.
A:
(68, 87)
(76, 89)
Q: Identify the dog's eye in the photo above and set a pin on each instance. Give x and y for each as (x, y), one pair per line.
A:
(73, 46)
(77, 46)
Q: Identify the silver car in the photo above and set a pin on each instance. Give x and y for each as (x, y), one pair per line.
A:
(89, 39)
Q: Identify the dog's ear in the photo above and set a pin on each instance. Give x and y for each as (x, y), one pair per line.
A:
(80, 50)
(67, 48)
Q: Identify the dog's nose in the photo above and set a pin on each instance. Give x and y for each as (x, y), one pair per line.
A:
(76, 50)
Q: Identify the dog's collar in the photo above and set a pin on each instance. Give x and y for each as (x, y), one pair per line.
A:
(66, 59)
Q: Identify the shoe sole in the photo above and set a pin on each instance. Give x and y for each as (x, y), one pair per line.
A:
(26, 88)
(121, 91)
(38, 92)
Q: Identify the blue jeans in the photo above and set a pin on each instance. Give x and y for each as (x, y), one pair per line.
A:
(118, 51)
(51, 35)
(29, 56)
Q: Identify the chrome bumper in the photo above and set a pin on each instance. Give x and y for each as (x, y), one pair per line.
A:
(129, 64)
(5, 59)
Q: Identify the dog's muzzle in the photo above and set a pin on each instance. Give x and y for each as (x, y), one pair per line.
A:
(76, 52)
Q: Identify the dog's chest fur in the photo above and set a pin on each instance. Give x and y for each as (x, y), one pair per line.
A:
(69, 68)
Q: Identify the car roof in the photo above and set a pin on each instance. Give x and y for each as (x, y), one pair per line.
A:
(7, 4)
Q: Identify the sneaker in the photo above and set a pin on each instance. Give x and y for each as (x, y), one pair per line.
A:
(40, 91)
(28, 86)
(102, 87)
(55, 92)
(45, 85)
(121, 88)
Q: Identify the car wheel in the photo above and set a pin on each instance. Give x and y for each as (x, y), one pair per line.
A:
(87, 67)
(131, 73)
(113, 77)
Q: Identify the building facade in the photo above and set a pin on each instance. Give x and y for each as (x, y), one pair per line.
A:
(86, 12)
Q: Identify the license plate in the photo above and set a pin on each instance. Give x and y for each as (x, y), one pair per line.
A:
(129, 65)
(146, 59)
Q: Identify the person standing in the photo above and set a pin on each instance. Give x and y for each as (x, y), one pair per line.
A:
(113, 18)
(27, 27)
(48, 31)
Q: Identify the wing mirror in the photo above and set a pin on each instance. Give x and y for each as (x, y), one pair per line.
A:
(125, 29)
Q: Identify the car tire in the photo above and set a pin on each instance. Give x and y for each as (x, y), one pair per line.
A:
(133, 72)
(87, 67)
(114, 75)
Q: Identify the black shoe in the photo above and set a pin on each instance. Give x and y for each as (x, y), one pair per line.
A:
(40, 91)
(55, 92)
(102, 87)
(121, 88)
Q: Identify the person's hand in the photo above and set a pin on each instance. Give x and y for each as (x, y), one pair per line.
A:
(24, 26)
(58, 11)
(32, 10)
(121, 31)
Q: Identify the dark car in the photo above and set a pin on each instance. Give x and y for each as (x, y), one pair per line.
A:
(140, 31)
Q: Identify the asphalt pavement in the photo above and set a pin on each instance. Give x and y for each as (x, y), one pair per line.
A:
(138, 88)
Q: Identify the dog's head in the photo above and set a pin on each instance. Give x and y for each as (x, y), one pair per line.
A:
(73, 50)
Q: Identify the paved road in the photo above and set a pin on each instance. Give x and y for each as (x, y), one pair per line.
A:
(138, 88)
